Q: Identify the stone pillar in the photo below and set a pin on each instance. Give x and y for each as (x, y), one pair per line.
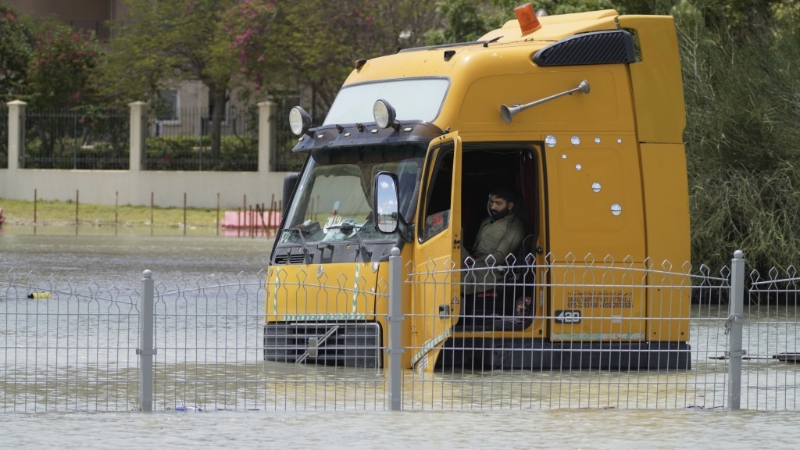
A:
(266, 135)
(138, 130)
(16, 134)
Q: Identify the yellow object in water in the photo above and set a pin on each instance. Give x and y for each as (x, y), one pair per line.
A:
(39, 295)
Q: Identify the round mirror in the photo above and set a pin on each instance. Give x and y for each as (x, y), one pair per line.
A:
(384, 113)
(299, 120)
(386, 202)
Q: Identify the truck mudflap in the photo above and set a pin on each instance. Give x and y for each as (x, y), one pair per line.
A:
(540, 354)
(350, 344)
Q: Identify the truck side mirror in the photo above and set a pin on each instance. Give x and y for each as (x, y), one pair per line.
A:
(385, 203)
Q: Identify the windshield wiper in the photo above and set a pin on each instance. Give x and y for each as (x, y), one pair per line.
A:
(302, 239)
(348, 228)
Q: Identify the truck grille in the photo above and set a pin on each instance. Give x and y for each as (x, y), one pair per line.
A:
(334, 343)
(294, 258)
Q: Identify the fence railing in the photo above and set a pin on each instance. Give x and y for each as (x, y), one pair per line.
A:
(186, 141)
(201, 345)
(80, 138)
(283, 159)
(93, 138)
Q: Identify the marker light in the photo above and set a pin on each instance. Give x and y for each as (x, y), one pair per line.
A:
(384, 113)
(528, 23)
(299, 120)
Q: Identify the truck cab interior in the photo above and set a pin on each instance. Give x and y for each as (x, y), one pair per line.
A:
(508, 304)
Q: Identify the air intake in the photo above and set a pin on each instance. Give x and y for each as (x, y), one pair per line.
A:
(602, 47)
(294, 258)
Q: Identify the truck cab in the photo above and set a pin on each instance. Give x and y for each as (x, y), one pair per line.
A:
(582, 116)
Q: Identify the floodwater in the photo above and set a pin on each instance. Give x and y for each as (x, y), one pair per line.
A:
(414, 430)
(98, 255)
(120, 260)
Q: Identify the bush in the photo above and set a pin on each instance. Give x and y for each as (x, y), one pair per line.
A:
(743, 144)
(194, 153)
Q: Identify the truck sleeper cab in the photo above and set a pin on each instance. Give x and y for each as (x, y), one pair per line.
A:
(581, 117)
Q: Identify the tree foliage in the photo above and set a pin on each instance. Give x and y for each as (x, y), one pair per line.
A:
(73, 56)
(311, 45)
(46, 63)
(169, 41)
(740, 61)
(742, 138)
(16, 42)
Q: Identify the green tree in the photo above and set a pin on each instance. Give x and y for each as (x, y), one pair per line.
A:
(46, 63)
(16, 48)
(246, 28)
(169, 41)
(73, 56)
(310, 46)
(742, 138)
(465, 20)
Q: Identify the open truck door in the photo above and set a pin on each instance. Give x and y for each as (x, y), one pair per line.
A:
(436, 273)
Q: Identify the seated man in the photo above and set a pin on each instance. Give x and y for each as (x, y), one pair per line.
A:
(499, 234)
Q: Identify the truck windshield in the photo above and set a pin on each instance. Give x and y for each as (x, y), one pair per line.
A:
(413, 99)
(333, 200)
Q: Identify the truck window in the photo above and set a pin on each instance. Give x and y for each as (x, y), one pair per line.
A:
(438, 199)
(414, 99)
(334, 197)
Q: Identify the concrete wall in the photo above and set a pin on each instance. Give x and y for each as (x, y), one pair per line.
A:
(135, 186)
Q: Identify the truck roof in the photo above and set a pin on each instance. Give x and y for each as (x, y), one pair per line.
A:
(555, 28)
(499, 69)
(413, 62)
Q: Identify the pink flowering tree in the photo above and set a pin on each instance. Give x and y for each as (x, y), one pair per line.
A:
(16, 41)
(46, 63)
(246, 28)
(310, 46)
(63, 68)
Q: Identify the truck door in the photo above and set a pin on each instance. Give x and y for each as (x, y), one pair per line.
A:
(437, 254)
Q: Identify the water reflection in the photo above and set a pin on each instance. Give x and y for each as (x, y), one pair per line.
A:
(120, 260)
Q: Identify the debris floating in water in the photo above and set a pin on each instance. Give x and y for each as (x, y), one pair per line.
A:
(787, 357)
(187, 408)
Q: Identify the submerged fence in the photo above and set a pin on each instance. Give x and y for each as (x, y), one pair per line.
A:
(201, 345)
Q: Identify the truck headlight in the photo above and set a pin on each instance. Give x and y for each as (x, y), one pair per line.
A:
(384, 113)
(299, 120)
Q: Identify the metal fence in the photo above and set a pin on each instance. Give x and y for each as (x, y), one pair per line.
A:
(185, 141)
(200, 345)
(78, 138)
(283, 159)
(98, 138)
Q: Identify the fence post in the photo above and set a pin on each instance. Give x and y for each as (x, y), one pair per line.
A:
(266, 135)
(138, 130)
(16, 134)
(395, 330)
(734, 327)
(145, 350)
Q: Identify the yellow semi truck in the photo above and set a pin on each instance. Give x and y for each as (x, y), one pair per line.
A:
(582, 116)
